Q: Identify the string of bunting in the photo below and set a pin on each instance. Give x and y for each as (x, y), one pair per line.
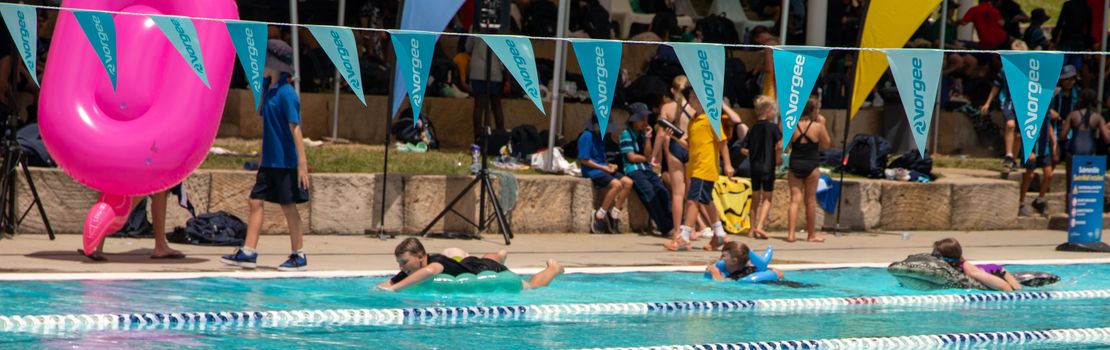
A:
(1031, 76)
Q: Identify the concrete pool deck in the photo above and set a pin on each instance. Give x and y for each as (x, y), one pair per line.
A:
(35, 253)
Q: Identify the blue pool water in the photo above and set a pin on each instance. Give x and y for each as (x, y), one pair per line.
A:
(563, 331)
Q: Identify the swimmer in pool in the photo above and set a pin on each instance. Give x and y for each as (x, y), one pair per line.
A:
(417, 266)
(993, 276)
(736, 262)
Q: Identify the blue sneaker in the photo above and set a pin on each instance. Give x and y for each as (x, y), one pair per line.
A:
(296, 262)
(241, 259)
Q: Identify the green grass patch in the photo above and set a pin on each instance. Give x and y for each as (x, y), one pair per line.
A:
(961, 162)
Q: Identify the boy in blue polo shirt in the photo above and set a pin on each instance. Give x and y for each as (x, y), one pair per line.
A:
(636, 149)
(283, 175)
(591, 156)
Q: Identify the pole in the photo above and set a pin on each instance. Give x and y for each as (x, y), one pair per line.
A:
(817, 19)
(557, 82)
(388, 123)
(1102, 58)
(785, 21)
(296, 46)
(335, 109)
(838, 231)
(937, 111)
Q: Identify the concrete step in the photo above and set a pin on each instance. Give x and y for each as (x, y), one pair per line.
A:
(1032, 222)
(1057, 221)
(1058, 182)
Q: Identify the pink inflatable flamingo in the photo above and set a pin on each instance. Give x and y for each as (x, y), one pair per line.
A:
(156, 127)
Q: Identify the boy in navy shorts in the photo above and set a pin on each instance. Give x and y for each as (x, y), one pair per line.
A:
(283, 175)
(591, 156)
(707, 148)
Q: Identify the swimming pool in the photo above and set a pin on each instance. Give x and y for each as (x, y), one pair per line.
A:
(579, 311)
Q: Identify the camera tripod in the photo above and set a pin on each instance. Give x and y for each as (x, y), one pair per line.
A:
(489, 14)
(14, 160)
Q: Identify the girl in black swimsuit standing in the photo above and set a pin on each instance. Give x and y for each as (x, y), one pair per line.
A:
(805, 146)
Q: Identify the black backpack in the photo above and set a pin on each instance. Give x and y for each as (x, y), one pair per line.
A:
(137, 224)
(597, 21)
(525, 140)
(219, 228)
(403, 129)
(912, 161)
(540, 18)
(718, 29)
(868, 156)
(30, 141)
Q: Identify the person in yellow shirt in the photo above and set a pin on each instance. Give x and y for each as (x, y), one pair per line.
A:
(706, 151)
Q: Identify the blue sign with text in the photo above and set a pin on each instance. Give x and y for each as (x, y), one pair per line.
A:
(1087, 189)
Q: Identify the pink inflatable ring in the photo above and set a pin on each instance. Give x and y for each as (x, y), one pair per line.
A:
(156, 127)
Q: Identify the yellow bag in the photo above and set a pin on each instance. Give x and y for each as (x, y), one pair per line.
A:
(733, 199)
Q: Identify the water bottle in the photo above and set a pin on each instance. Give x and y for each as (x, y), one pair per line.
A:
(476, 155)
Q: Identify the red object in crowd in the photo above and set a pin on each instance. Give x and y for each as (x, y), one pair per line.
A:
(988, 25)
(466, 14)
(1096, 7)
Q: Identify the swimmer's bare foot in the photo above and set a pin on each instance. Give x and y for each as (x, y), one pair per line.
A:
(552, 263)
(816, 238)
(758, 234)
(790, 238)
(166, 253)
(677, 244)
(695, 235)
(715, 243)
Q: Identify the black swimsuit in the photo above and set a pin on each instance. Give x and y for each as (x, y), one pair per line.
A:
(804, 157)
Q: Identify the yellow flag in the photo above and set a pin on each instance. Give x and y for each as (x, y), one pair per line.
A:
(889, 24)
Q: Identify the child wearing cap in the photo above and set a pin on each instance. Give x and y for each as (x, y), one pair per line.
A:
(283, 175)
(636, 149)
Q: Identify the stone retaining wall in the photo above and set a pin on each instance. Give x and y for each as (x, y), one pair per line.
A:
(350, 203)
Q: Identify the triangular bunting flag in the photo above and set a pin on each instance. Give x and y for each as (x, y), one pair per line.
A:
(339, 44)
(23, 26)
(426, 15)
(183, 35)
(917, 74)
(250, 45)
(1032, 78)
(414, 59)
(796, 71)
(515, 52)
(705, 67)
(600, 62)
(100, 28)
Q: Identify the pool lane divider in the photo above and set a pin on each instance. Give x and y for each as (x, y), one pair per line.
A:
(1098, 336)
(397, 316)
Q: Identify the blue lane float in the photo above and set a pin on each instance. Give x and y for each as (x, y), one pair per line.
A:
(1095, 336)
(401, 316)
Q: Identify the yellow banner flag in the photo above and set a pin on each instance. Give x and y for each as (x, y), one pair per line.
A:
(888, 25)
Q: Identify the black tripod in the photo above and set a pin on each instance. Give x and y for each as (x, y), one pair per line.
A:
(482, 179)
(14, 159)
(489, 14)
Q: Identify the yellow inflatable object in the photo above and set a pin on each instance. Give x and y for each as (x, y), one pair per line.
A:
(733, 199)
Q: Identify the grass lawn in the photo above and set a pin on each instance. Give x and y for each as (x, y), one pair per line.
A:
(354, 158)
(943, 161)
(357, 158)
